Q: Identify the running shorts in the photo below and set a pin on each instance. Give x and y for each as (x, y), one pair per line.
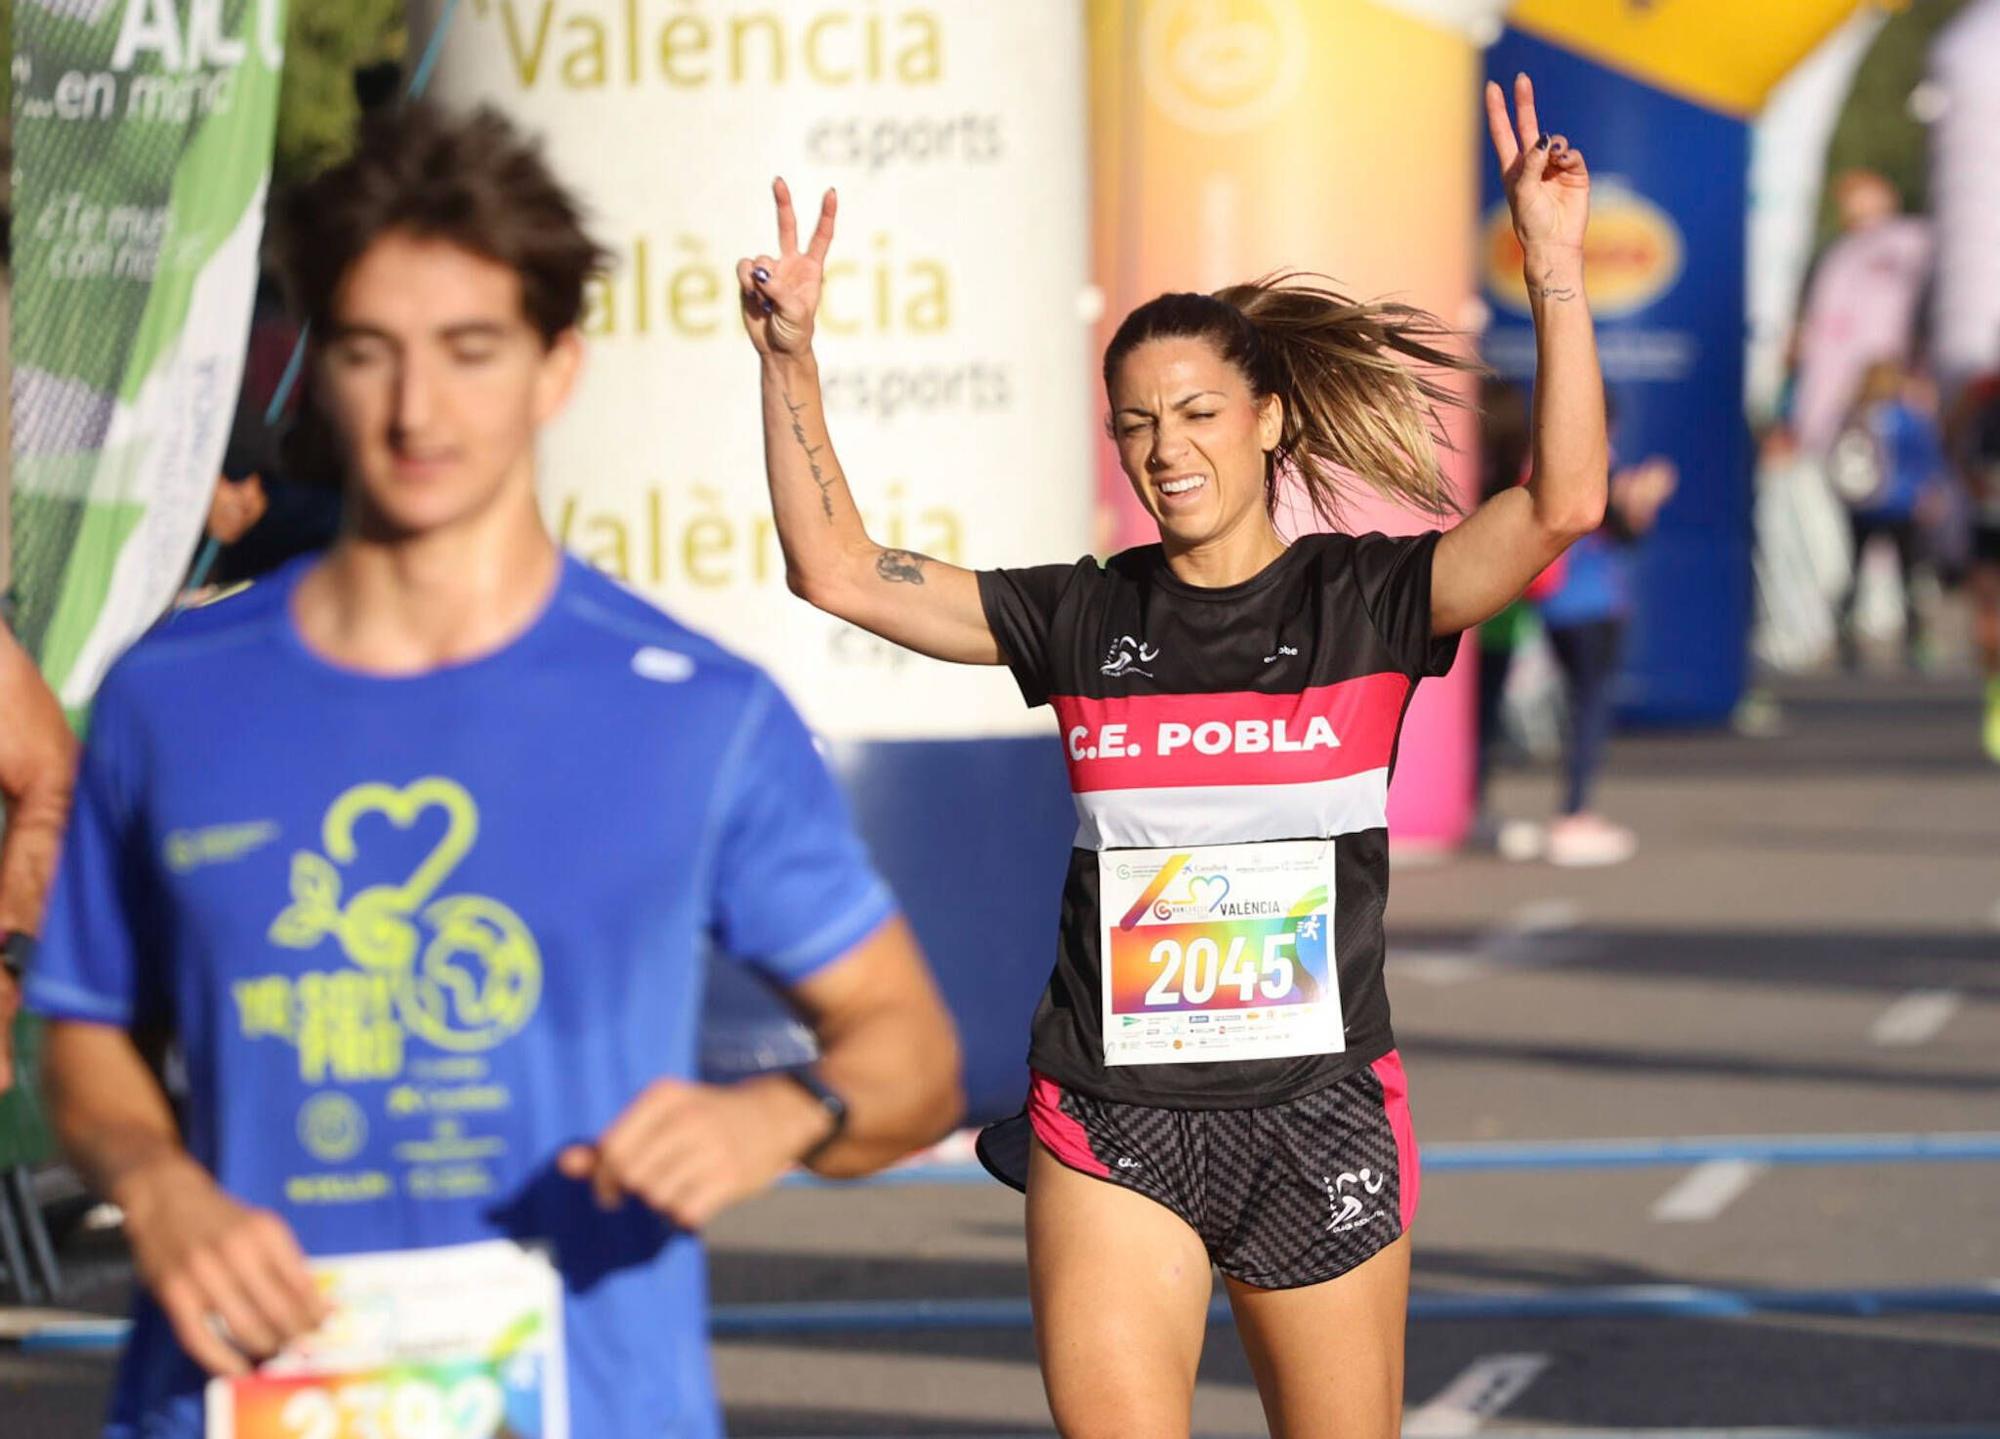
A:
(1282, 1196)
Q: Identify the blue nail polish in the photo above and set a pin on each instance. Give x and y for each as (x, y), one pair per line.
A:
(761, 273)
(1543, 143)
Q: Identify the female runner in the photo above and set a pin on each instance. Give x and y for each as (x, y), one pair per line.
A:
(1214, 1083)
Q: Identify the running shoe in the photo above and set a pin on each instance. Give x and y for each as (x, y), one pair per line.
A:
(1520, 840)
(1585, 841)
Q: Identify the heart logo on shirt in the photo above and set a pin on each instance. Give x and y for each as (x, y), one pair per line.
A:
(467, 970)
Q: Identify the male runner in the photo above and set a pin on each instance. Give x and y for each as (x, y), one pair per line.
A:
(418, 846)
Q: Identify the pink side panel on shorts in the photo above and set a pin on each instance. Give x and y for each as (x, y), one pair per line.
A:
(1396, 1099)
(1062, 1133)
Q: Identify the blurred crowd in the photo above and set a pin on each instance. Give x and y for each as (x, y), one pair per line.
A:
(1911, 469)
(1903, 477)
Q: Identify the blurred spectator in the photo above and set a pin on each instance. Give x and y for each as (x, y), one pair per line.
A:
(37, 770)
(1860, 305)
(1974, 439)
(1585, 615)
(1503, 440)
(279, 492)
(1888, 467)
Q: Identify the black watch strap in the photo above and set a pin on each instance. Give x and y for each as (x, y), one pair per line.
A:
(807, 1078)
(17, 947)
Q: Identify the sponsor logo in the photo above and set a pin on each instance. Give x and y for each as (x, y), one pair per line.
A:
(1349, 1210)
(1633, 254)
(1282, 650)
(665, 666)
(332, 1127)
(1220, 66)
(1126, 1163)
(191, 849)
(1126, 656)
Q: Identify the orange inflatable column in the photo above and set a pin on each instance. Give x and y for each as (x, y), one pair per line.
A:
(1235, 137)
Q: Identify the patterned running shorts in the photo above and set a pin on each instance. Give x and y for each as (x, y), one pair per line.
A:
(1282, 1196)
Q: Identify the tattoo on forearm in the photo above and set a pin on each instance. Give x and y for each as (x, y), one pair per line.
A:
(812, 456)
(900, 567)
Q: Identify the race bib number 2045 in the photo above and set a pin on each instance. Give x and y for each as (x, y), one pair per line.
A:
(1218, 952)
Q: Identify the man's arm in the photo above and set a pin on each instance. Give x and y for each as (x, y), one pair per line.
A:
(37, 773)
(231, 1279)
(887, 1048)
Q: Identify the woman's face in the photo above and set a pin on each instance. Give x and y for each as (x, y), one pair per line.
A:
(1192, 439)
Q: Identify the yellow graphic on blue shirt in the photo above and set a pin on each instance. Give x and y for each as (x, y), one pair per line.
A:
(459, 970)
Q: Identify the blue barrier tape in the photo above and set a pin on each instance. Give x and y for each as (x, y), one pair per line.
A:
(1652, 1301)
(906, 1316)
(1483, 1156)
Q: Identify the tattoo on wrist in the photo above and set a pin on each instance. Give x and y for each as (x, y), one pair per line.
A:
(1547, 291)
(901, 567)
(812, 456)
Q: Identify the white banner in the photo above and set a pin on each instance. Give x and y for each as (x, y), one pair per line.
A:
(954, 335)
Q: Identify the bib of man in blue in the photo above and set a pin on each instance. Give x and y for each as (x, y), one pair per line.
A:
(417, 934)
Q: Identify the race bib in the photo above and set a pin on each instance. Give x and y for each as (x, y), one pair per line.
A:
(462, 1342)
(1218, 952)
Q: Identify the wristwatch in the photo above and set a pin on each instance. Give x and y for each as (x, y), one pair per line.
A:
(807, 1078)
(17, 947)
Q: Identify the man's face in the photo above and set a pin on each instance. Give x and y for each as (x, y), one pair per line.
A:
(437, 384)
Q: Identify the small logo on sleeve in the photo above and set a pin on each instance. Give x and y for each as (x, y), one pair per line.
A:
(666, 666)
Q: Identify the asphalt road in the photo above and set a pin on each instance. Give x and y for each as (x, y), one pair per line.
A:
(1807, 944)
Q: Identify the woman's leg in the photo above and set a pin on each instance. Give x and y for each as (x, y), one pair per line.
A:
(1843, 614)
(1904, 536)
(1494, 663)
(1120, 1286)
(1588, 654)
(1329, 1357)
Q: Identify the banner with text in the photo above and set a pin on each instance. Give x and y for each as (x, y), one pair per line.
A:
(142, 152)
(951, 334)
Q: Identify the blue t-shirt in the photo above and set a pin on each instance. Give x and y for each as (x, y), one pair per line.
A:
(418, 934)
(1596, 583)
(1912, 458)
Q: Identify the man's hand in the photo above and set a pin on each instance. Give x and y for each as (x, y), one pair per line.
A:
(689, 1151)
(232, 1279)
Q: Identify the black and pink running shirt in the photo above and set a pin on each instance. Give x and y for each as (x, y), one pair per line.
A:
(1266, 710)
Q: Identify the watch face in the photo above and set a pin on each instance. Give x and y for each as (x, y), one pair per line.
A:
(15, 949)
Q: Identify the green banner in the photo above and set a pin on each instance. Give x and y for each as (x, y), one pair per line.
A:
(142, 154)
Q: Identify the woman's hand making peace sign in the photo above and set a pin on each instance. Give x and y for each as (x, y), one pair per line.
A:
(781, 292)
(1547, 183)
(1482, 564)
